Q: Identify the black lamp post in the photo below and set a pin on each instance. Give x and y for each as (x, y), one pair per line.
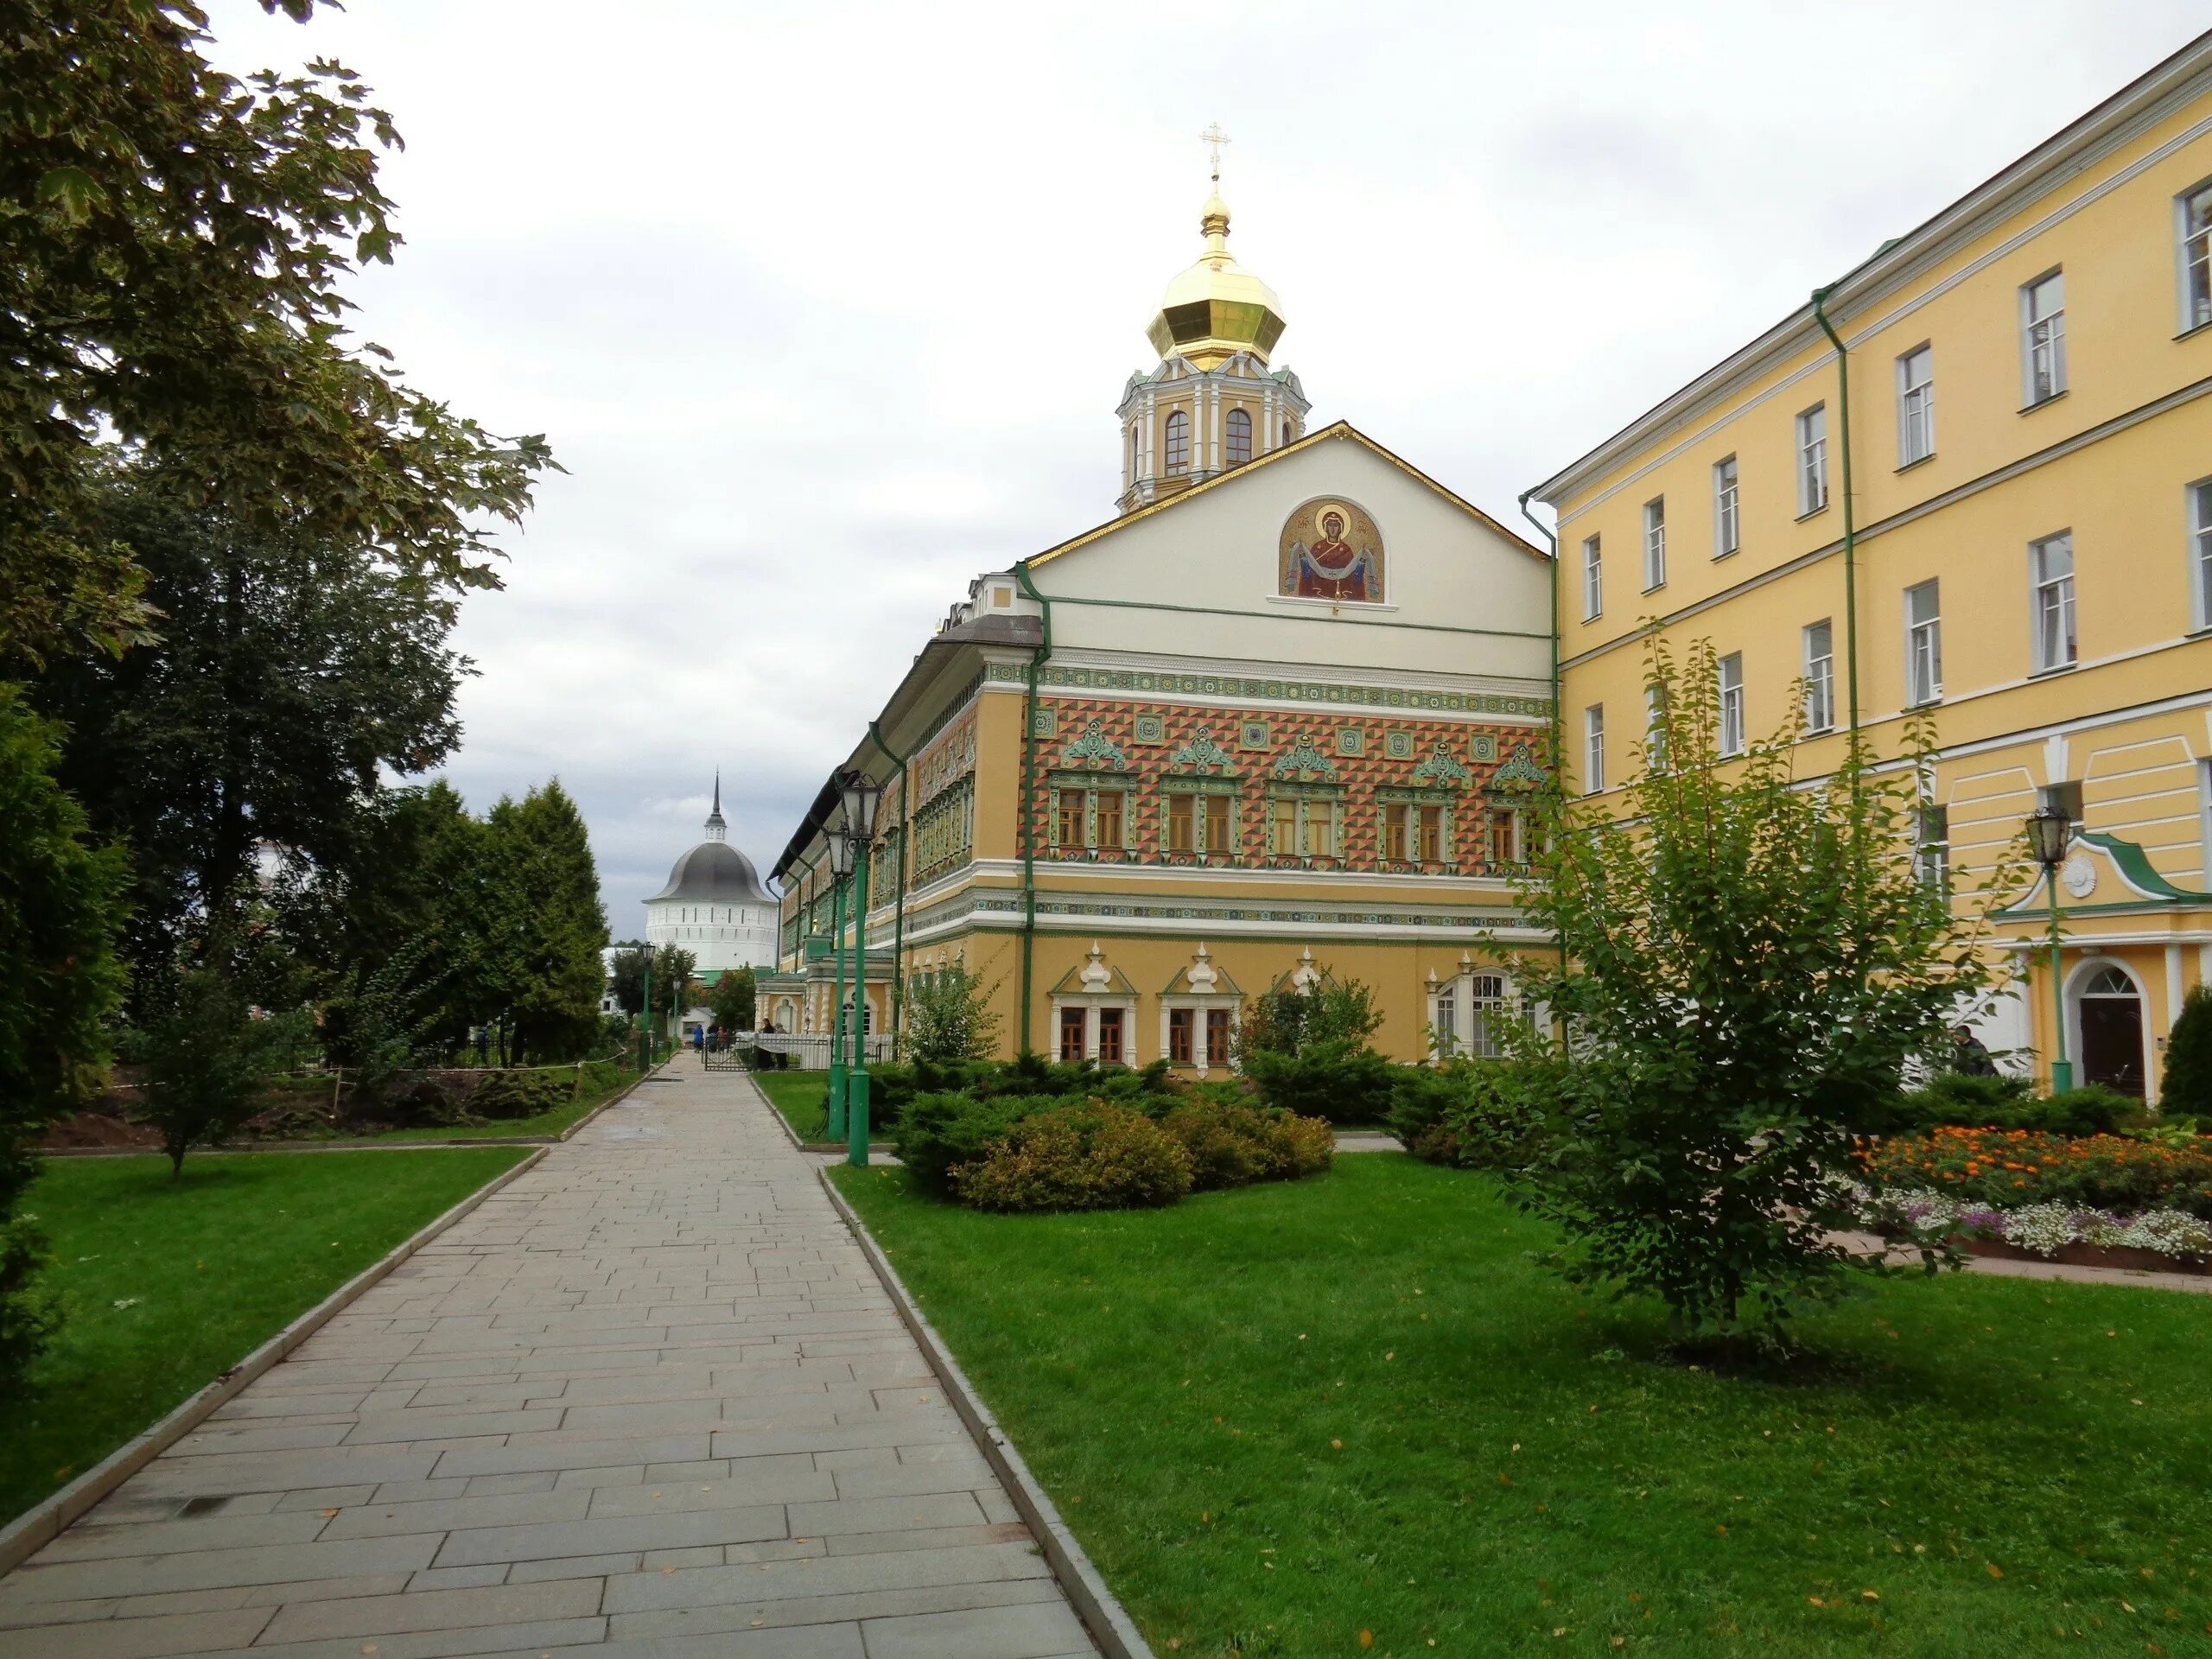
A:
(2050, 831)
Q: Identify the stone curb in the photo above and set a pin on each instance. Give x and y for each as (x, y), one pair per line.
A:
(38, 1526)
(1101, 1610)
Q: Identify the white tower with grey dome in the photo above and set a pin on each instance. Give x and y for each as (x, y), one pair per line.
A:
(714, 905)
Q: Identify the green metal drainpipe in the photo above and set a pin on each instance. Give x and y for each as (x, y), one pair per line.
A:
(1028, 801)
(1850, 520)
(899, 915)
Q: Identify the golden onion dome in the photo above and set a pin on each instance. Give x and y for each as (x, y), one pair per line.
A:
(1216, 308)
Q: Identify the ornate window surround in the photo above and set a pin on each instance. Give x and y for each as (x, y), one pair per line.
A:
(1201, 987)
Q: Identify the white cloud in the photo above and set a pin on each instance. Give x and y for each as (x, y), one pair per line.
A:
(827, 307)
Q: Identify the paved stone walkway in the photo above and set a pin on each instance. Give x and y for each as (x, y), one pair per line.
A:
(647, 1400)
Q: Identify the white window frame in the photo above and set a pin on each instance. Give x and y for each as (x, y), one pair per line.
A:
(1727, 507)
(1730, 670)
(1593, 749)
(1819, 640)
(1654, 542)
(1923, 647)
(1199, 1005)
(2053, 642)
(2193, 257)
(1655, 735)
(2043, 340)
(1465, 1011)
(2200, 550)
(1593, 579)
(1916, 406)
(1812, 460)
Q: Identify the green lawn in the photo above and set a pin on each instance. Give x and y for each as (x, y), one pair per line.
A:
(799, 1095)
(168, 1285)
(1283, 1418)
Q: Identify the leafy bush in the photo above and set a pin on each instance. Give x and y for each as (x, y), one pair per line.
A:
(2187, 1085)
(1291, 1022)
(1955, 1099)
(1467, 1114)
(1232, 1144)
(522, 1094)
(2010, 1169)
(1086, 1155)
(210, 1052)
(940, 1132)
(426, 1103)
(1332, 1079)
(949, 1016)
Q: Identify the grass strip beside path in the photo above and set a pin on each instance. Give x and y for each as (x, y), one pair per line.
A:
(801, 1097)
(168, 1285)
(1298, 1418)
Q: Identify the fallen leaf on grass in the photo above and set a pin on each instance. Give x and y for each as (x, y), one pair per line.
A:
(1995, 1571)
(1336, 1445)
(1367, 1639)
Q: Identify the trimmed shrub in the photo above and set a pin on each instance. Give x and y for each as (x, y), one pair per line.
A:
(2187, 1084)
(1232, 1144)
(1466, 1114)
(937, 1132)
(1091, 1155)
(1956, 1100)
(522, 1094)
(1336, 1079)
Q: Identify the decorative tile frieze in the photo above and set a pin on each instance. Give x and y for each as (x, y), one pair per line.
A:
(1236, 685)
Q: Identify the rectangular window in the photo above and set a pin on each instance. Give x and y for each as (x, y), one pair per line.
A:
(1593, 749)
(2051, 570)
(2193, 219)
(2043, 338)
(1216, 1036)
(1923, 643)
(1431, 844)
(1072, 1033)
(1216, 825)
(1181, 836)
(1655, 543)
(1282, 826)
(1916, 405)
(1593, 579)
(1398, 819)
(1820, 676)
(1109, 817)
(1932, 850)
(1813, 459)
(1071, 818)
(1110, 1051)
(1505, 835)
(1488, 1000)
(1180, 1024)
(1731, 703)
(1654, 726)
(2200, 549)
(1447, 1033)
(1320, 827)
(1728, 533)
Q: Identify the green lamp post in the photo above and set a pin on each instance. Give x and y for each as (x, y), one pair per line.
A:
(841, 866)
(861, 796)
(645, 1018)
(2050, 830)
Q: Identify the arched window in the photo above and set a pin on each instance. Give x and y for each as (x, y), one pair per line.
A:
(1132, 451)
(1240, 437)
(1287, 434)
(1178, 442)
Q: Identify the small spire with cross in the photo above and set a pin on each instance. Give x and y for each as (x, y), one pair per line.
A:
(1213, 138)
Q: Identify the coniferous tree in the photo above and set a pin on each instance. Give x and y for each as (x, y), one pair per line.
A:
(2187, 1086)
(549, 927)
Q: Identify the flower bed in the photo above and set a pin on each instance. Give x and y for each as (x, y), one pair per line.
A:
(2163, 1239)
(2020, 1169)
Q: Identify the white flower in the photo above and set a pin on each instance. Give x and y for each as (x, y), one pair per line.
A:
(2043, 1228)
(128, 1301)
(2169, 1232)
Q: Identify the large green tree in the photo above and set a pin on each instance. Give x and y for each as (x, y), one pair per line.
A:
(172, 241)
(60, 901)
(291, 674)
(1749, 963)
(547, 926)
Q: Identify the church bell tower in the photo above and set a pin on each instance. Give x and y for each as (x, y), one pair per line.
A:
(1213, 403)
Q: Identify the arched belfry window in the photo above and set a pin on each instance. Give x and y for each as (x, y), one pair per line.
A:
(1287, 434)
(1178, 442)
(1133, 451)
(1240, 437)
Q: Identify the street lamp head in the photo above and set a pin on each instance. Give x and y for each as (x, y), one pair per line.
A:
(841, 851)
(861, 795)
(2049, 830)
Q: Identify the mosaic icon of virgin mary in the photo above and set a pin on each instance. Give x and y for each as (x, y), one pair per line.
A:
(1333, 552)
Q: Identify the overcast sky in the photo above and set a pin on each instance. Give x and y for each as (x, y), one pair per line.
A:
(826, 308)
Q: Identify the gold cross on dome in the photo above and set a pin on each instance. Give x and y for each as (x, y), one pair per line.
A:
(1213, 138)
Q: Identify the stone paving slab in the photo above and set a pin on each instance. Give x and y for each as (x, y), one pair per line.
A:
(648, 1401)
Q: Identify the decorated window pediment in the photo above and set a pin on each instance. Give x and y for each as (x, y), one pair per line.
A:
(1520, 771)
(1202, 754)
(1303, 763)
(1442, 770)
(1095, 750)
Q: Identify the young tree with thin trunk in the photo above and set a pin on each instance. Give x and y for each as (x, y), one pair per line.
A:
(1749, 962)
